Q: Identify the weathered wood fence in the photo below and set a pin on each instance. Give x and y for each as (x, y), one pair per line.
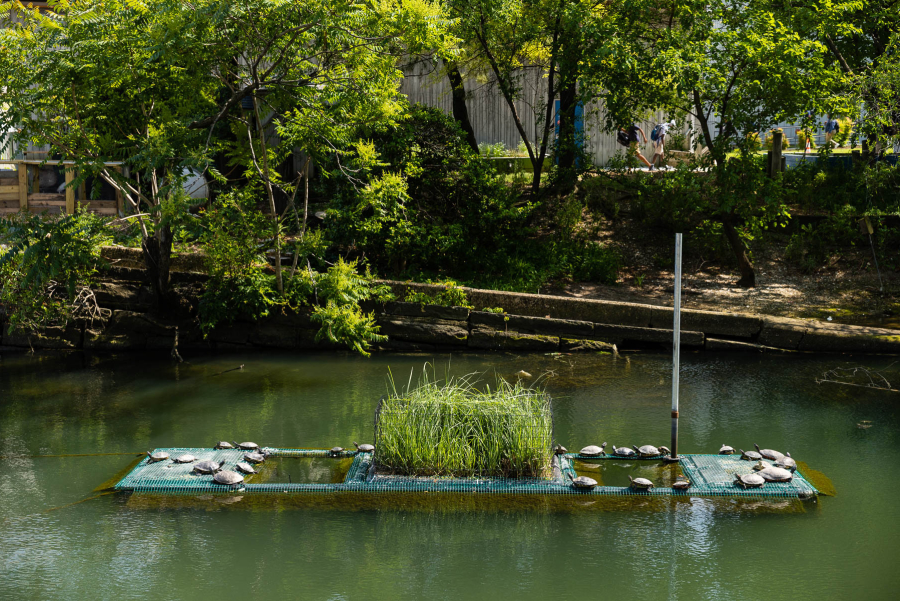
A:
(21, 189)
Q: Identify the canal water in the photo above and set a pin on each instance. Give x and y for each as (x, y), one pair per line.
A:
(62, 541)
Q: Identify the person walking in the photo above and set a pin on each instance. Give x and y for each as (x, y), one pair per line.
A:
(659, 138)
(831, 126)
(632, 133)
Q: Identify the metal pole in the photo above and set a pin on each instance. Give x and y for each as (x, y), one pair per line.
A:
(676, 345)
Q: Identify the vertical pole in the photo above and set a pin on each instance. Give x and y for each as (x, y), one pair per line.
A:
(676, 345)
(70, 191)
(777, 138)
(23, 185)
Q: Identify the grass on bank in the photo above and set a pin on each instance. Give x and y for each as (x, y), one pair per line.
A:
(452, 428)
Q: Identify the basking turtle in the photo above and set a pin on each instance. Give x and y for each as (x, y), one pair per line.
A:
(592, 451)
(681, 483)
(648, 450)
(208, 466)
(750, 455)
(228, 478)
(623, 451)
(726, 450)
(770, 473)
(186, 458)
(255, 457)
(335, 451)
(560, 450)
(787, 462)
(769, 453)
(223, 444)
(245, 467)
(246, 446)
(640, 483)
(749, 480)
(582, 482)
(157, 456)
(364, 447)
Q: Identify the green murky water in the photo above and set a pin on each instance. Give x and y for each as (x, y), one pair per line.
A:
(121, 547)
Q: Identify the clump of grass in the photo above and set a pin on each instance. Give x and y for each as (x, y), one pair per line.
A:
(453, 428)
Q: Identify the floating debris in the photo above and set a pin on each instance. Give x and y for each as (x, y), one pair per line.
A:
(523, 374)
(861, 377)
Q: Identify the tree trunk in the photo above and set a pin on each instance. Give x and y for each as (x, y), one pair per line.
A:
(748, 274)
(460, 111)
(566, 148)
(158, 258)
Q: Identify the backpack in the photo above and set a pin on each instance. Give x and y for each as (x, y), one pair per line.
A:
(837, 127)
(622, 138)
(654, 135)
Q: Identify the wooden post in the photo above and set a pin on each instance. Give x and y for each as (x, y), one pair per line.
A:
(777, 138)
(23, 186)
(120, 200)
(70, 191)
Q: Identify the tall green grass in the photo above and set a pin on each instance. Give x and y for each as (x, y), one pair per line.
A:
(452, 428)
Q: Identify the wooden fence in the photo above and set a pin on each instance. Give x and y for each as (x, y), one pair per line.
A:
(491, 118)
(20, 189)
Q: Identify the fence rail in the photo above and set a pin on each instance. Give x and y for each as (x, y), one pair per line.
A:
(32, 185)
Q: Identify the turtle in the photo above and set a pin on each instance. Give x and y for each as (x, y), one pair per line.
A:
(748, 480)
(623, 451)
(246, 446)
(228, 478)
(335, 451)
(223, 444)
(648, 450)
(769, 453)
(771, 473)
(640, 483)
(157, 456)
(726, 450)
(787, 462)
(364, 447)
(255, 457)
(245, 467)
(582, 482)
(592, 451)
(208, 466)
(681, 483)
(560, 450)
(186, 458)
(750, 455)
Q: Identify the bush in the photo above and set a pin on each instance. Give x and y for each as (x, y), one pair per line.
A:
(753, 143)
(813, 244)
(47, 267)
(801, 140)
(454, 429)
(844, 132)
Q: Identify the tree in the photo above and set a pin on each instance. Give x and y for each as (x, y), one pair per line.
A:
(735, 67)
(158, 85)
(106, 81)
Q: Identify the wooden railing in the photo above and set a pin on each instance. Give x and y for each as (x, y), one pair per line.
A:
(20, 190)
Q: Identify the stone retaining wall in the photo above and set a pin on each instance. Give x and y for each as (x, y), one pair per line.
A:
(530, 322)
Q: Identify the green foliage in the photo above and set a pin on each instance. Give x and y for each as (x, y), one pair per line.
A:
(455, 429)
(752, 142)
(498, 310)
(429, 204)
(46, 264)
(843, 134)
(452, 295)
(812, 245)
(801, 140)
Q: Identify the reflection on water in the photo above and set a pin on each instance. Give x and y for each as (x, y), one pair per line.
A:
(437, 546)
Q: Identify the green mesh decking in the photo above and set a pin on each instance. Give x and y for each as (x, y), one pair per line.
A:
(710, 476)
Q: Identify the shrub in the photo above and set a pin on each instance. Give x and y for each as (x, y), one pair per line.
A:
(753, 143)
(47, 267)
(801, 140)
(844, 131)
(451, 296)
(455, 429)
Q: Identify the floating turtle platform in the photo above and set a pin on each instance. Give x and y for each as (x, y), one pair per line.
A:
(710, 476)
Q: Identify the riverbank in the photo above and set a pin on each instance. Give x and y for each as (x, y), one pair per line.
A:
(500, 321)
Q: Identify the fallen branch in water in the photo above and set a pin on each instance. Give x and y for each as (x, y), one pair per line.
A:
(241, 366)
(876, 380)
